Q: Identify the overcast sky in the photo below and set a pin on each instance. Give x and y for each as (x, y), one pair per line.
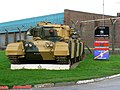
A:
(20, 9)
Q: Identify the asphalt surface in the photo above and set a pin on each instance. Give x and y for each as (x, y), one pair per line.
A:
(108, 84)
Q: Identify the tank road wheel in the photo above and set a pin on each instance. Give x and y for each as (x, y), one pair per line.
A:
(14, 60)
(77, 59)
(71, 61)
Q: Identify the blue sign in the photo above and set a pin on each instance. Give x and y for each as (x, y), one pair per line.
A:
(101, 54)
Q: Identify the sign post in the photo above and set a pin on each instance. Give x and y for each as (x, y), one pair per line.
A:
(101, 43)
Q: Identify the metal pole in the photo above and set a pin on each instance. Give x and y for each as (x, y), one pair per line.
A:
(14, 37)
(6, 37)
(19, 32)
(113, 33)
(103, 17)
(80, 30)
(113, 37)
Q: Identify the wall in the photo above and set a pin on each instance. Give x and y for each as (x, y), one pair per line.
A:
(87, 23)
(12, 37)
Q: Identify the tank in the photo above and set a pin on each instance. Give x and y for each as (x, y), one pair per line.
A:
(50, 42)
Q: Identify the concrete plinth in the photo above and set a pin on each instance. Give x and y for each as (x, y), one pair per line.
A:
(40, 66)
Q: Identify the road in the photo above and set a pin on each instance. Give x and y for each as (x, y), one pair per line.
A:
(108, 84)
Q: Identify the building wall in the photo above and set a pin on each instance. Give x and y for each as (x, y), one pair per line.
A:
(88, 32)
(88, 28)
(2, 39)
(12, 37)
(81, 16)
(87, 22)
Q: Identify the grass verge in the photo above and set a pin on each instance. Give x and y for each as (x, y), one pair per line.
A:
(87, 69)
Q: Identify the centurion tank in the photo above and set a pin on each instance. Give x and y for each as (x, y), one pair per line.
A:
(50, 42)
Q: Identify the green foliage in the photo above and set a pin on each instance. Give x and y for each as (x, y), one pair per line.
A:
(87, 69)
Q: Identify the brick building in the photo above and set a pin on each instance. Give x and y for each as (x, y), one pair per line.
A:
(87, 22)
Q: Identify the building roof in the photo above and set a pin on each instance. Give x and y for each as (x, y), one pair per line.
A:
(24, 24)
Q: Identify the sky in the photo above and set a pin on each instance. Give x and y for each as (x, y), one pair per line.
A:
(11, 10)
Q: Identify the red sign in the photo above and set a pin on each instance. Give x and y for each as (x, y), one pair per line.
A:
(101, 45)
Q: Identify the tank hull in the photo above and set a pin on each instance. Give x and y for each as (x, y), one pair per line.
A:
(39, 56)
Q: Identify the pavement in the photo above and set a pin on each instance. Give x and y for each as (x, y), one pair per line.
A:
(107, 84)
(47, 85)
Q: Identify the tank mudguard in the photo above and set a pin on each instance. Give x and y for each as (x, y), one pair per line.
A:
(76, 48)
(61, 49)
(15, 49)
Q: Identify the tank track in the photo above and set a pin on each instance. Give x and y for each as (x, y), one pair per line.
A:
(14, 59)
(67, 60)
(62, 60)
